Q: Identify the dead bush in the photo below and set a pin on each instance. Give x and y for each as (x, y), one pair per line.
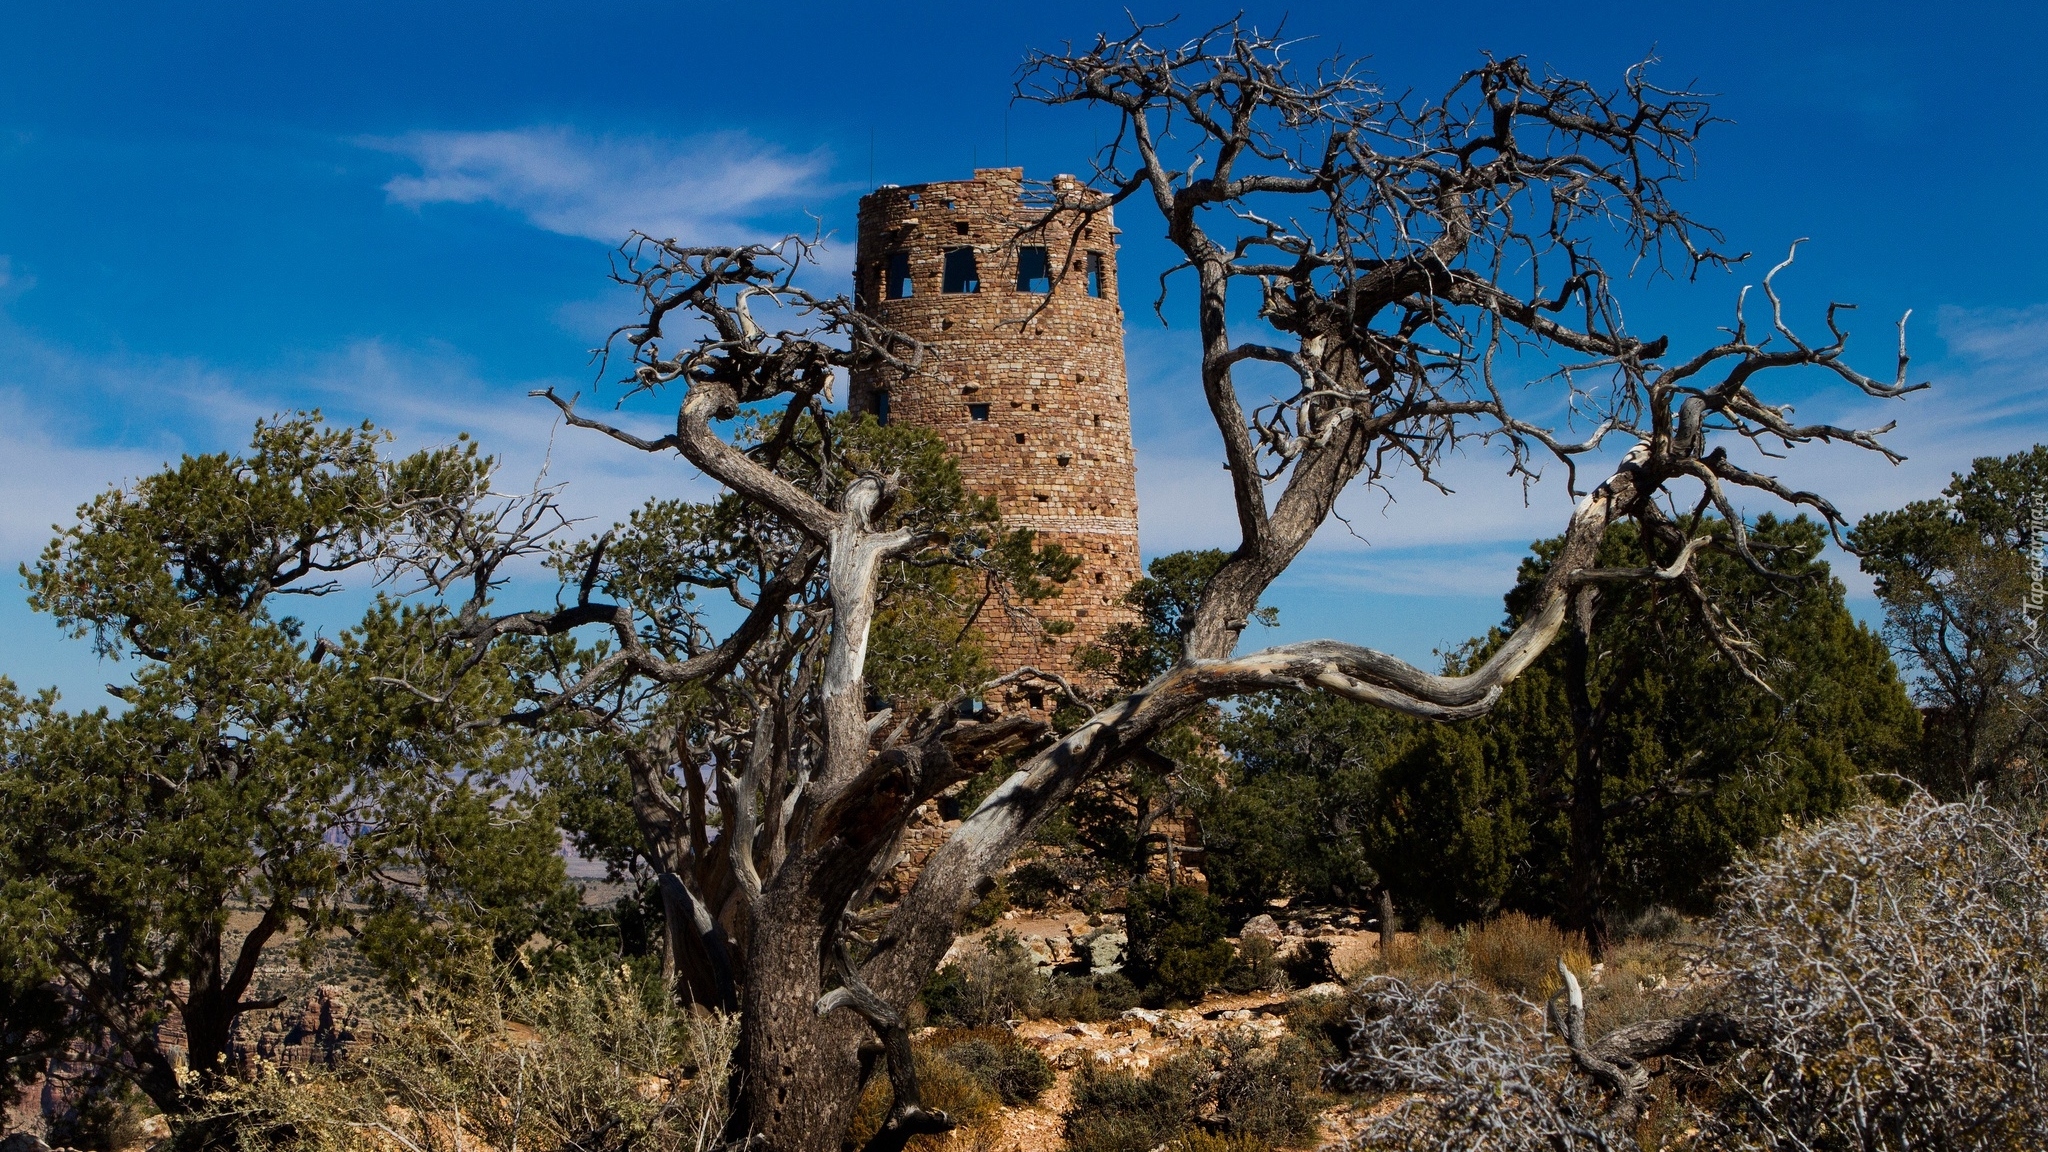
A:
(1890, 966)
(1471, 1070)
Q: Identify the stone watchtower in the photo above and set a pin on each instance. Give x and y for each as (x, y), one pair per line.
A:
(1025, 381)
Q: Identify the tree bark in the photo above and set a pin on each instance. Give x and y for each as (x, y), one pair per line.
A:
(804, 1072)
(1586, 887)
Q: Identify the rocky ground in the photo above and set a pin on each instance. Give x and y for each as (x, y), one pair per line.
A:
(1141, 1038)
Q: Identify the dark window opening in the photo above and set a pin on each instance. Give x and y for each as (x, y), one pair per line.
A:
(961, 273)
(1098, 577)
(1020, 437)
(881, 407)
(896, 277)
(977, 411)
(1034, 270)
(1095, 273)
(961, 227)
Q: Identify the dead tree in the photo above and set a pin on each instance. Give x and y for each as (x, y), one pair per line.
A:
(1405, 257)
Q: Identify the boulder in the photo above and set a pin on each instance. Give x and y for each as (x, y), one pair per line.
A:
(1261, 925)
(1105, 951)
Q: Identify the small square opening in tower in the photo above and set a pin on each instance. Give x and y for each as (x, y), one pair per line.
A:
(896, 277)
(1095, 284)
(961, 273)
(977, 411)
(1020, 437)
(1034, 270)
(960, 227)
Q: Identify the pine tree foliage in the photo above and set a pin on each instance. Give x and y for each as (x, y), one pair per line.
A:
(259, 788)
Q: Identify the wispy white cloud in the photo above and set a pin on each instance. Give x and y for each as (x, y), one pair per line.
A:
(72, 424)
(1998, 337)
(703, 189)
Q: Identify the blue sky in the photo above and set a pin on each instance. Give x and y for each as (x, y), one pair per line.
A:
(403, 212)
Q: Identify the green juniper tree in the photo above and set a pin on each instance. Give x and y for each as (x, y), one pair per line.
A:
(1687, 723)
(1959, 579)
(259, 787)
(1626, 767)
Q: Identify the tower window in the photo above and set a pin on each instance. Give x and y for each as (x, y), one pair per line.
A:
(913, 199)
(1020, 437)
(961, 227)
(977, 411)
(1034, 270)
(881, 407)
(1095, 273)
(896, 277)
(961, 273)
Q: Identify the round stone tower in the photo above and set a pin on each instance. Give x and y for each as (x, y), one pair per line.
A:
(1025, 381)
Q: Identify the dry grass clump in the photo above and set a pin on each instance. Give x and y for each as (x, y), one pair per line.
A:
(1518, 954)
(599, 1059)
(944, 1087)
(1512, 953)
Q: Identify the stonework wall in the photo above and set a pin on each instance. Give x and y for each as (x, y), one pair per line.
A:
(1026, 387)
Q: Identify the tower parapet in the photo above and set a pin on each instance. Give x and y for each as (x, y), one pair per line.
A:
(1025, 381)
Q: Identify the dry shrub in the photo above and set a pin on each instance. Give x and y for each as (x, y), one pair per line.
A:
(987, 987)
(600, 1059)
(1258, 968)
(1269, 1096)
(1471, 1071)
(1005, 1065)
(1118, 1111)
(1891, 965)
(1518, 954)
(1242, 1097)
(945, 1087)
(1211, 1142)
(1644, 980)
(1433, 952)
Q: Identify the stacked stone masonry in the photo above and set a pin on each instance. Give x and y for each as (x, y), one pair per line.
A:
(1025, 381)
